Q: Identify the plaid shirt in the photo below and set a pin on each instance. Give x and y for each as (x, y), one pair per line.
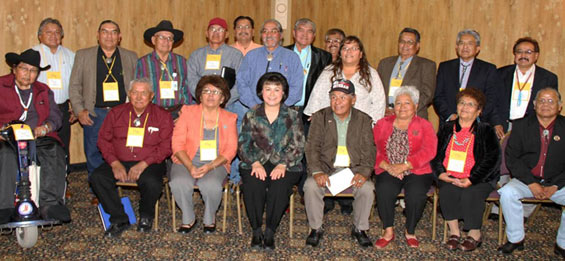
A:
(281, 142)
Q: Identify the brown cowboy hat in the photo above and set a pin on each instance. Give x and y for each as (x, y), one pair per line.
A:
(164, 25)
(29, 56)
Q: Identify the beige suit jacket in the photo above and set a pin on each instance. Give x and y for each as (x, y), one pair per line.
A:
(421, 74)
(82, 91)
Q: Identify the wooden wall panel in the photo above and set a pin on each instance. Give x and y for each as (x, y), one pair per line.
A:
(376, 22)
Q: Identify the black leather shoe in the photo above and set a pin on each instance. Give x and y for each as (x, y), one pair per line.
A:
(145, 224)
(269, 240)
(346, 210)
(329, 205)
(509, 247)
(257, 239)
(559, 251)
(361, 237)
(210, 230)
(116, 230)
(314, 238)
(186, 230)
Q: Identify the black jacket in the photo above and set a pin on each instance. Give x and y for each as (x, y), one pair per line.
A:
(486, 151)
(542, 79)
(320, 59)
(523, 149)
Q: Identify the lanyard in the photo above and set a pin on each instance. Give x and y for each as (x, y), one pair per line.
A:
(455, 137)
(164, 68)
(144, 122)
(109, 69)
(23, 117)
(215, 127)
(399, 75)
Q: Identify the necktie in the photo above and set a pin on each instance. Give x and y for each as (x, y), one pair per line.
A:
(463, 73)
(398, 76)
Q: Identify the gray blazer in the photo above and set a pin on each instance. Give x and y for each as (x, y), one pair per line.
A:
(82, 91)
(420, 74)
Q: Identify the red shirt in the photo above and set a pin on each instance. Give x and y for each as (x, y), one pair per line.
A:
(544, 140)
(463, 135)
(156, 140)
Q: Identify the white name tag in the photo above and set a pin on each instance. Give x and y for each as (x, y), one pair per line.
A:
(341, 157)
(166, 89)
(208, 150)
(135, 137)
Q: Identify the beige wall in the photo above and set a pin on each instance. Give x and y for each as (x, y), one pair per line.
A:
(377, 23)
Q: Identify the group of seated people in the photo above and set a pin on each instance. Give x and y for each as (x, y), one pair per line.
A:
(339, 125)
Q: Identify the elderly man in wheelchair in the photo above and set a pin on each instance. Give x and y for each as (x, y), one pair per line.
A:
(30, 102)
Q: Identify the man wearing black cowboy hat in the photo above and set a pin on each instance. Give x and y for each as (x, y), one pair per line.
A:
(167, 70)
(98, 83)
(32, 102)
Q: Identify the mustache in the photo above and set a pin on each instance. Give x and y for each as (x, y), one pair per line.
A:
(243, 33)
(524, 59)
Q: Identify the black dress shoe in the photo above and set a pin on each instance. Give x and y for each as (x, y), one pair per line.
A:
(559, 251)
(186, 230)
(314, 238)
(145, 224)
(361, 237)
(116, 230)
(509, 247)
(209, 230)
(269, 239)
(257, 239)
(329, 204)
(346, 210)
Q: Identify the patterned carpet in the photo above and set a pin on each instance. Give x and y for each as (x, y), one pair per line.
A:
(82, 238)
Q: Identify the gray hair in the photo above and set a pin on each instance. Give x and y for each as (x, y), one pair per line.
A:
(279, 26)
(302, 21)
(548, 89)
(47, 21)
(472, 32)
(412, 31)
(410, 91)
(141, 80)
(335, 31)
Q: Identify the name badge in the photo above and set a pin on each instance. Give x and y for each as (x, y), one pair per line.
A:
(110, 91)
(166, 89)
(456, 162)
(22, 131)
(522, 97)
(54, 80)
(394, 86)
(208, 150)
(213, 61)
(135, 137)
(341, 157)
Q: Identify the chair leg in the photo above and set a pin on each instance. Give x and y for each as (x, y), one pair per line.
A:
(173, 213)
(291, 221)
(434, 216)
(500, 228)
(238, 203)
(445, 231)
(156, 219)
(226, 203)
(168, 195)
(533, 215)
(488, 209)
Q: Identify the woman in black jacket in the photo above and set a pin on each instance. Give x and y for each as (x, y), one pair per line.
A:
(467, 166)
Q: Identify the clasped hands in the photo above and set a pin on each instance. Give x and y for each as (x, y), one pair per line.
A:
(132, 175)
(396, 170)
(462, 183)
(542, 192)
(258, 171)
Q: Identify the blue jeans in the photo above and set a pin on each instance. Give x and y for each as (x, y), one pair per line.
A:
(93, 156)
(510, 195)
(240, 110)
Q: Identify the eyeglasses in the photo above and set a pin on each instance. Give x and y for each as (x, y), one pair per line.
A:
(165, 38)
(548, 101)
(272, 31)
(28, 70)
(410, 42)
(109, 32)
(347, 49)
(526, 52)
(467, 104)
(212, 92)
(340, 98)
(57, 33)
(332, 41)
(241, 27)
(217, 29)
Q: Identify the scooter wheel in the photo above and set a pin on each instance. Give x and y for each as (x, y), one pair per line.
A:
(27, 236)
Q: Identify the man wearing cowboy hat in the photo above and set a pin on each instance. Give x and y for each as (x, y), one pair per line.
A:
(33, 103)
(167, 70)
(98, 82)
(215, 58)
